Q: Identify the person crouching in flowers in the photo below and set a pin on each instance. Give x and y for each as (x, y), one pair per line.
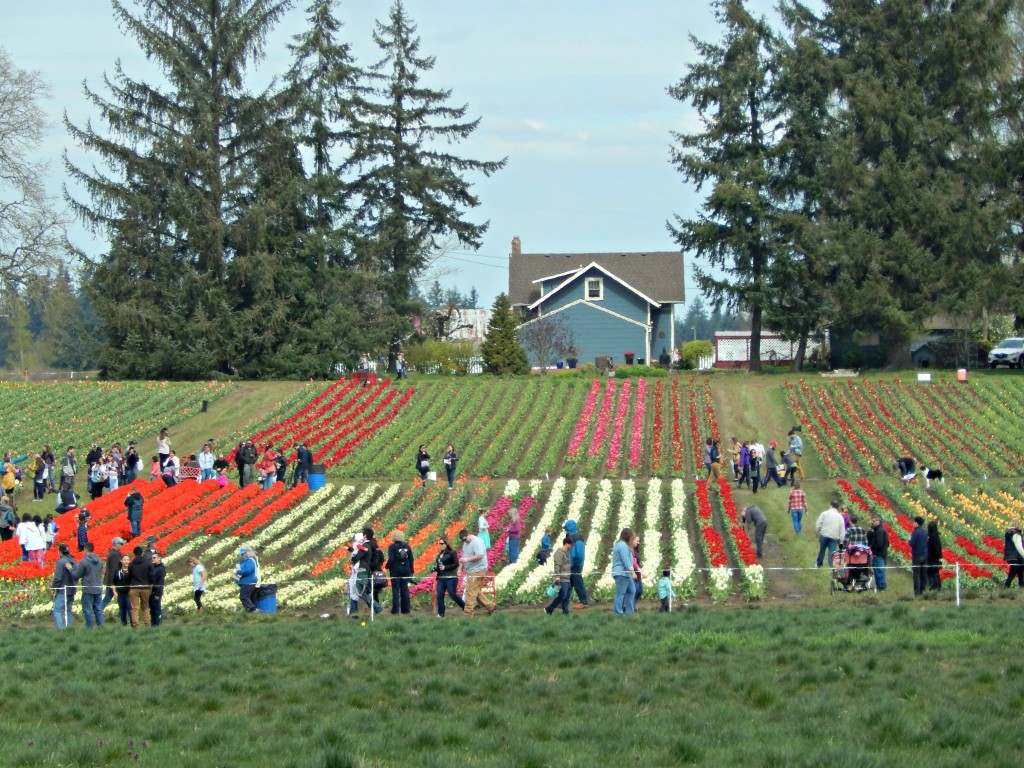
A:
(247, 576)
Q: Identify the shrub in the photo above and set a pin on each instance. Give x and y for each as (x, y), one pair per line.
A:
(693, 351)
(638, 371)
(451, 357)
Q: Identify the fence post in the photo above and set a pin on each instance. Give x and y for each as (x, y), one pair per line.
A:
(958, 584)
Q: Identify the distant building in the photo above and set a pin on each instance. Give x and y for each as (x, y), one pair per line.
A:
(732, 349)
(614, 302)
(470, 324)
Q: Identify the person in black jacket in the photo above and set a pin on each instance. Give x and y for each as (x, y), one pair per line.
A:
(140, 586)
(447, 568)
(934, 555)
(367, 559)
(399, 565)
(423, 462)
(121, 588)
(878, 540)
(159, 576)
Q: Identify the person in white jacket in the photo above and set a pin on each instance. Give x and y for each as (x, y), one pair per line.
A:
(831, 530)
(32, 538)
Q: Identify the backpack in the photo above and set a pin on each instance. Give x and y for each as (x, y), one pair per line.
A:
(402, 555)
(376, 558)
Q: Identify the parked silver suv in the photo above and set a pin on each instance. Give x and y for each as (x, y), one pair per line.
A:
(1008, 352)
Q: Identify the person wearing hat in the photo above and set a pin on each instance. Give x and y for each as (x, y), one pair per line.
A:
(110, 568)
(772, 467)
(63, 588)
(245, 458)
(159, 576)
(89, 570)
(150, 547)
(133, 503)
(247, 576)
(83, 529)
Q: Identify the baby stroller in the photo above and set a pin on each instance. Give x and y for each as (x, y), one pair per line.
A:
(851, 570)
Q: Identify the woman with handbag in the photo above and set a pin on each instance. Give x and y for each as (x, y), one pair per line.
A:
(423, 462)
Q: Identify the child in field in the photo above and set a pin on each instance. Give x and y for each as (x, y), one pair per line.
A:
(665, 591)
(154, 468)
(222, 478)
(83, 529)
(49, 530)
(545, 547)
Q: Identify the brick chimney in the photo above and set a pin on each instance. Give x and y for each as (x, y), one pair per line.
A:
(517, 246)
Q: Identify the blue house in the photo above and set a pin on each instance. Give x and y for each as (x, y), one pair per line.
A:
(615, 303)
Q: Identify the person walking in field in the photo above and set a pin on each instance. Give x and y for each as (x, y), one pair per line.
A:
(1013, 554)
(797, 505)
(831, 530)
(796, 452)
(772, 467)
(451, 459)
(561, 579)
(198, 571)
(622, 573)
(446, 566)
(422, 462)
(577, 556)
(474, 565)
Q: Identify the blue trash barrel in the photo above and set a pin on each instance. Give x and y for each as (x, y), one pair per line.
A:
(266, 598)
(317, 479)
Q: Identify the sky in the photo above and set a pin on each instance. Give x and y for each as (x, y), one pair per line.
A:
(573, 93)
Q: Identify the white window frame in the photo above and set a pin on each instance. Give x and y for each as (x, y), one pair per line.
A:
(600, 288)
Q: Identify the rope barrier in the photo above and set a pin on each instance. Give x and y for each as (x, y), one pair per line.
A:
(417, 578)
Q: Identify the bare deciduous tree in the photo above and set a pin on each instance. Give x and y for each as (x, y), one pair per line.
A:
(31, 229)
(546, 339)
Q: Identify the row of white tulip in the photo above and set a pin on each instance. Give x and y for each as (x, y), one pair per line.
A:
(528, 551)
(684, 577)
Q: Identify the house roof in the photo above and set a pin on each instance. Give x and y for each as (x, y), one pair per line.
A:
(569, 277)
(658, 274)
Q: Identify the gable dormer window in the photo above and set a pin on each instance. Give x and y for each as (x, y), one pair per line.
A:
(594, 290)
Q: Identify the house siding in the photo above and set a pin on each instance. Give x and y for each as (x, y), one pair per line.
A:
(599, 333)
(661, 331)
(616, 298)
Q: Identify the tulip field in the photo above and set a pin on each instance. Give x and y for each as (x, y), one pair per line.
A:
(606, 452)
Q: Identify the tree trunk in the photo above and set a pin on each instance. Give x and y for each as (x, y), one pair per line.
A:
(801, 353)
(755, 340)
(898, 355)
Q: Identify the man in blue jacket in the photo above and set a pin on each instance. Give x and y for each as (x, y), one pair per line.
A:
(247, 576)
(918, 554)
(576, 556)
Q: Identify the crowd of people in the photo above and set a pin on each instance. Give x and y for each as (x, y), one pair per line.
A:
(137, 579)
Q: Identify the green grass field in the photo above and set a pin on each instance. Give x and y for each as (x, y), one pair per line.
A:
(865, 686)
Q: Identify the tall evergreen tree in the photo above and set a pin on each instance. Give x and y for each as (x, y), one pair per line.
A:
(912, 187)
(198, 196)
(731, 88)
(409, 192)
(501, 351)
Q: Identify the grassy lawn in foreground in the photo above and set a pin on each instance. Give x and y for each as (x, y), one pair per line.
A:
(860, 685)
